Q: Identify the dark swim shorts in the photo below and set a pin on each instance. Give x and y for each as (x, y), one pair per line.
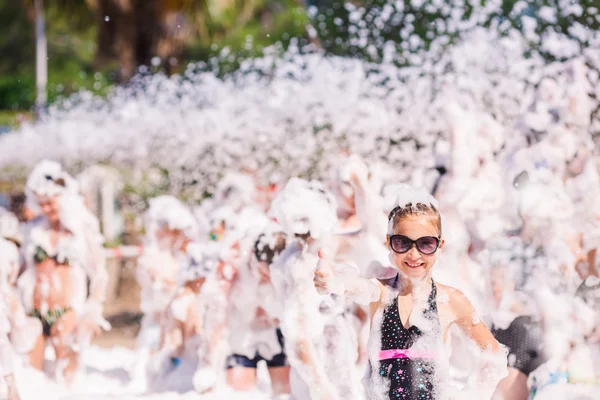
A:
(279, 360)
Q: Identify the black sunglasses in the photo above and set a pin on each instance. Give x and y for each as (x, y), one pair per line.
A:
(426, 244)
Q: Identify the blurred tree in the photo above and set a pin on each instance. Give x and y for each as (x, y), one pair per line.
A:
(67, 46)
(86, 37)
(160, 32)
(15, 31)
(536, 20)
(89, 39)
(236, 30)
(128, 31)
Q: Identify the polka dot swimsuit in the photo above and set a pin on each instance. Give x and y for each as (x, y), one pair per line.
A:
(410, 379)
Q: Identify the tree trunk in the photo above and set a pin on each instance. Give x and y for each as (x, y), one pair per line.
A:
(132, 32)
(41, 64)
(107, 13)
(149, 30)
(125, 38)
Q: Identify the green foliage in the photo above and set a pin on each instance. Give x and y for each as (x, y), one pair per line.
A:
(412, 26)
(550, 16)
(225, 33)
(362, 29)
(16, 91)
(71, 49)
(16, 37)
(229, 44)
(231, 34)
(11, 118)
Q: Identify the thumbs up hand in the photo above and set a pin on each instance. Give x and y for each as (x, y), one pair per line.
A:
(324, 274)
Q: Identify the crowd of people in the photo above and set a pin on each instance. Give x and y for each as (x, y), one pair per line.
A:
(317, 282)
(484, 285)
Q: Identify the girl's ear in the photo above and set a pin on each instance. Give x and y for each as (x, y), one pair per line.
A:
(387, 240)
(442, 242)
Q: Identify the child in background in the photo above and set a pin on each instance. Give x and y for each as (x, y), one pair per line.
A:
(184, 331)
(319, 343)
(254, 333)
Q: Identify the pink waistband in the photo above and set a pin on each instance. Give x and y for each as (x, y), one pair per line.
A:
(405, 353)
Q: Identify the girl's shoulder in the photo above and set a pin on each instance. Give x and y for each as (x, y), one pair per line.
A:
(458, 303)
(180, 304)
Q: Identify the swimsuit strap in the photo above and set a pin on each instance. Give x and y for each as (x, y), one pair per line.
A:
(40, 255)
(433, 296)
(395, 282)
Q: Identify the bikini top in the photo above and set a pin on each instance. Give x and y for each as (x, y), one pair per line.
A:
(40, 255)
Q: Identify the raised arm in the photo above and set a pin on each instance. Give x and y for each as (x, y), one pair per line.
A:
(6, 360)
(491, 360)
(470, 323)
(344, 279)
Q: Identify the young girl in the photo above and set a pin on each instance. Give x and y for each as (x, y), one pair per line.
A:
(254, 333)
(319, 341)
(62, 248)
(167, 221)
(13, 321)
(411, 314)
(184, 329)
(6, 367)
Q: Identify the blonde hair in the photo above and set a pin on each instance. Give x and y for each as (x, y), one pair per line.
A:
(418, 210)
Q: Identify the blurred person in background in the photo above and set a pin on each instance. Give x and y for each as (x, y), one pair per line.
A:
(62, 249)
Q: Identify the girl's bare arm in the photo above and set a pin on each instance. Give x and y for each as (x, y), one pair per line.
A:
(470, 323)
(344, 280)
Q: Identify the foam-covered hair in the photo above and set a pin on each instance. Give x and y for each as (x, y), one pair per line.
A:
(169, 211)
(48, 179)
(413, 201)
(269, 243)
(305, 207)
(412, 195)
(204, 259)
(236, 190)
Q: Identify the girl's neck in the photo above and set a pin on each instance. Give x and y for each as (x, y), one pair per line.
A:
(414, 285)
(55, 225)
(194, 286)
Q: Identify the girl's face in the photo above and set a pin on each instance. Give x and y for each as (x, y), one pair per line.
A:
(168, 239)
(49, 207)
(217, 231)
(413, 263)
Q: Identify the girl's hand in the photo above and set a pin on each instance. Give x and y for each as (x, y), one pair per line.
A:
(13, 393)
(263, 272)
(323, 274)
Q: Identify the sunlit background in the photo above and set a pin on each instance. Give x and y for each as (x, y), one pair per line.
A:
(138, 98)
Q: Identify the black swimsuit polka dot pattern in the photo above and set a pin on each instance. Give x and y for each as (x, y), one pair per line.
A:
(410, 379)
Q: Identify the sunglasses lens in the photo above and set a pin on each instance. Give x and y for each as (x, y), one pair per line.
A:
(400, 244)
(427, 245)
